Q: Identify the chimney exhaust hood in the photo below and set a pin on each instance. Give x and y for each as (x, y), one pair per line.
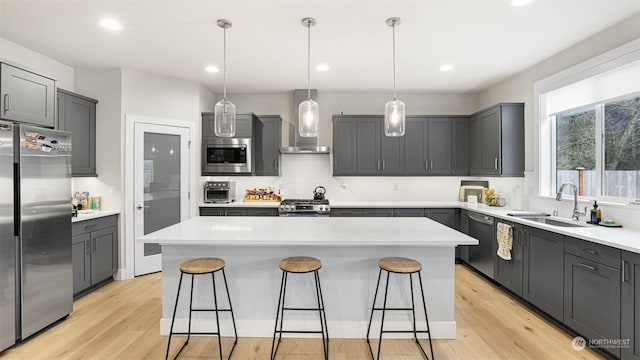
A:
(303, 145)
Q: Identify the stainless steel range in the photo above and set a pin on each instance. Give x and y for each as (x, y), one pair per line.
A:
(304, 207)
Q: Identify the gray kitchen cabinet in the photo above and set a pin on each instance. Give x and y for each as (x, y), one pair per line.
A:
(26, 96)
(244, 125)
(592, 299)
(497, 141)
(439, 146)
(368, 145)
(508, 273)
(237, 211)
(630, 305)
(359, 141)
(345, 132)
(408, 212)
(543, 266)
(81, 255)
(77, 114)
(460, 146)
(268, 137)
(416, 145)
(346, 212)
(377, 212)
(94, 252)
(443, 216)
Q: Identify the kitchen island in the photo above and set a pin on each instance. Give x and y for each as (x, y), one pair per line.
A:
(349, 249)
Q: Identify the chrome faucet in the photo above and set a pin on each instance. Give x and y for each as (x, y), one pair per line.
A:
(576, 214)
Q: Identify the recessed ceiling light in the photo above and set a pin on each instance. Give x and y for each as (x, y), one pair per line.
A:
(111, 24)
(520, 2)
(446, 67)
(212, 69)
(323, 67)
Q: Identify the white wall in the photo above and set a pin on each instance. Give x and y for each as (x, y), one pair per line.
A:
(104, 85)
(38, 63)
(519, 88)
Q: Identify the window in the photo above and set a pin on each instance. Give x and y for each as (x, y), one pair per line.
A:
(607, 168)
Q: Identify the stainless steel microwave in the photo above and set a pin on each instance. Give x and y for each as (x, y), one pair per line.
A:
(226, 155)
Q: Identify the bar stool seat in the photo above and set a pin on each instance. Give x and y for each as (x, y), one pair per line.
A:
(202, 266)
(300, 265)
(401, 266)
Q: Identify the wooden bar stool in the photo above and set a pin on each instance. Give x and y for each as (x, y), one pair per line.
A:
(300, 265)
(399, 265)
(203, 266)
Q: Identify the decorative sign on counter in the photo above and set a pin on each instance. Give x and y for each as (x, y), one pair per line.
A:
(265, 195)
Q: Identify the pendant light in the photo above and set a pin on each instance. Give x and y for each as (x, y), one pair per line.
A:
(225, 110)
(308, 110)
(394, 109)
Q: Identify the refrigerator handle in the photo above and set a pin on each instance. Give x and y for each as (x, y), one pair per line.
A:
(6, 102)
(16, 199)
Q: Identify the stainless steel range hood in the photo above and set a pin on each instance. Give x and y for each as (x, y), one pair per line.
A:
(303, 145)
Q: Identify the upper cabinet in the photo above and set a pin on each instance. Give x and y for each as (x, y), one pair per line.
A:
(268, 139)
(244, 125)
(77, 114)
(460, 145)
(497, 141)
(26, 97)
(361, 148)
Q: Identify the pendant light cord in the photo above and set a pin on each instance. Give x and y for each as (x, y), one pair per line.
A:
(224, 63)
(309, 61)
(394, 61)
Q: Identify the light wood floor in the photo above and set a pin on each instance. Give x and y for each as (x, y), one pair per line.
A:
(121, 321)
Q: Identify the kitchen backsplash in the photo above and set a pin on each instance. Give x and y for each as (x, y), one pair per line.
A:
(301, 173)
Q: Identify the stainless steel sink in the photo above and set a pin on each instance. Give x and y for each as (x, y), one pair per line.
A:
(548, 221)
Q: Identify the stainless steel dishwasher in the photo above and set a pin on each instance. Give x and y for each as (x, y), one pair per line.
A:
(481, 257)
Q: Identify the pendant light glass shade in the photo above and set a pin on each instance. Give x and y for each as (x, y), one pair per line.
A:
(308, 114)
(308, 110)
(225, 110)
(225, 118)
(394, 118)
(394, 115)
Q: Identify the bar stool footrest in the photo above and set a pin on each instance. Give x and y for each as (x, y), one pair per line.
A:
(211, 310)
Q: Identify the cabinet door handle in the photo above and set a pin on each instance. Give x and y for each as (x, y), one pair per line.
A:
(383, 163)
(426, 165)
(378, 164)
(430, 164)
(590, 251)
(95, 244)
(588, 267)
(86, 247)
(90, 227)
(6, 102)
(624, 271)
(495, 163)
(275, 164)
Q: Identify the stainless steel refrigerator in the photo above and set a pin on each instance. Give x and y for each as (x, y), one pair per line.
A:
(36, 276)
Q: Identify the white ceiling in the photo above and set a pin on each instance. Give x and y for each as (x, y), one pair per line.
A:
(486, 40)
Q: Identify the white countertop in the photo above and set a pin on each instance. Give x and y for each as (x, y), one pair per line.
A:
(93, 214)
(317, 231)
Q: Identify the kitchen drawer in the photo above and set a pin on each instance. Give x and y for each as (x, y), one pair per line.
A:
(206, 211)
(346, 212)
(595, 252)
(403, 212)
(82, 227)
(262, 212)
(236, 212)
(382, 212)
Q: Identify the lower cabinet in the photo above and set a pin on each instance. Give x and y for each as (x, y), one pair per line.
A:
(377, 212)
(592, 299)
(508, 273)
(543, 266)
(235, 211)
(630, 305)
(346, 212)
(443, 216)
(94, 247)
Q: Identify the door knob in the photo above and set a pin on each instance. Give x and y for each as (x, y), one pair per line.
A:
(139, 207)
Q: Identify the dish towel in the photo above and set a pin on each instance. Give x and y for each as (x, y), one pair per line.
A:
(504, 235)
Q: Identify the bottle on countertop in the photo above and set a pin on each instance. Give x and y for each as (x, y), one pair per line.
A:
(596, 214)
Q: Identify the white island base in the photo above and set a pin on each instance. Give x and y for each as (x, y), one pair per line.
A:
(349, 249)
